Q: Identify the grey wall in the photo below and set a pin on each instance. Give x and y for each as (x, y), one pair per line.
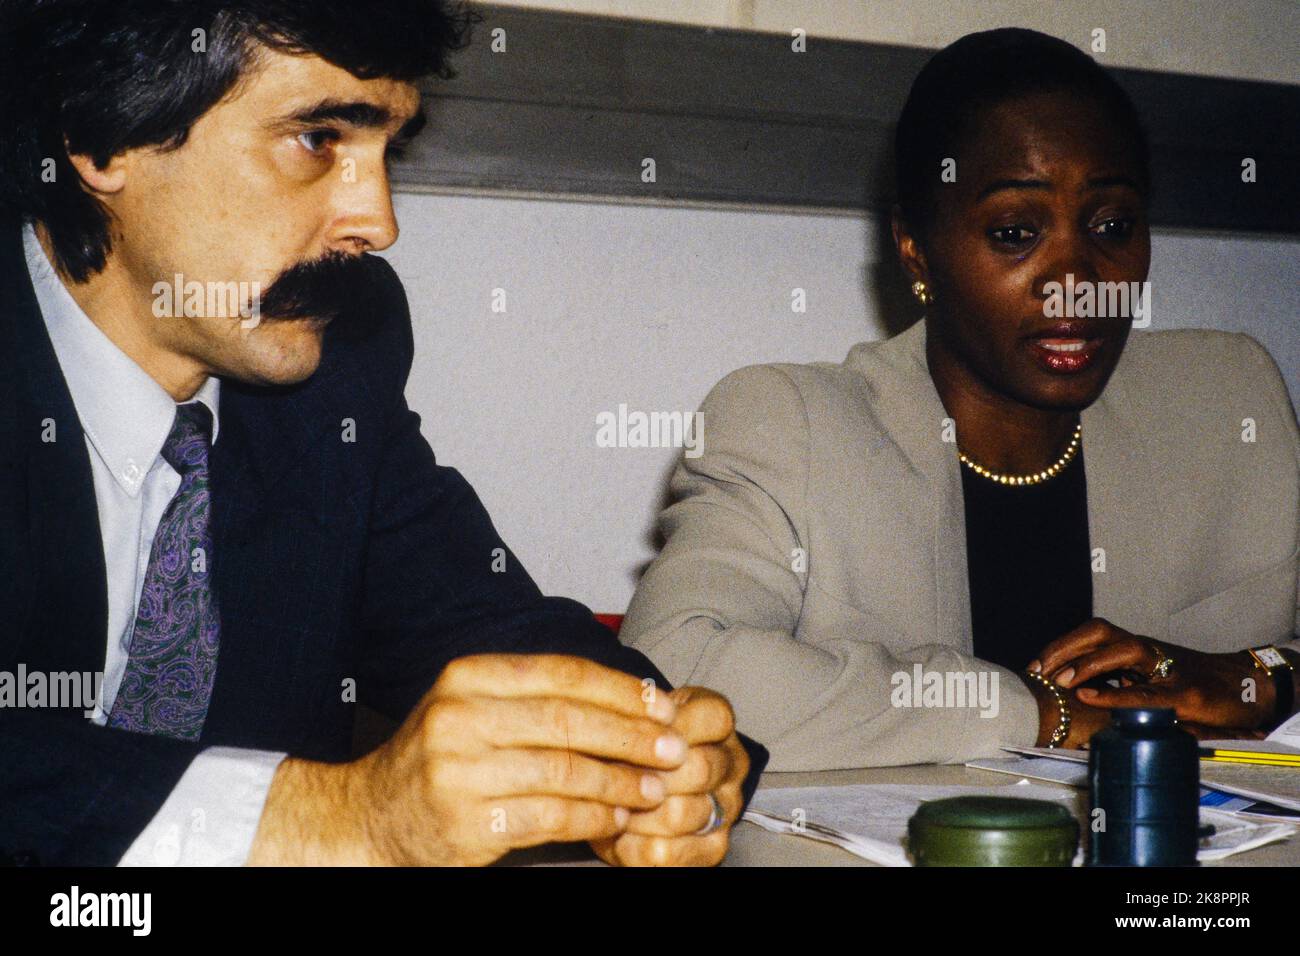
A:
(1247, 39)
(649, 306)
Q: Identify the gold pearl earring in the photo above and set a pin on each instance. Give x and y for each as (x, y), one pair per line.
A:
(922, 294)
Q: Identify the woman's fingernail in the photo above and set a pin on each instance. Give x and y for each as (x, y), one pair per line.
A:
(652, 787)
(1086, 693)
(670, 748)
(1035, 666)
(621, 816)
(1065, 677)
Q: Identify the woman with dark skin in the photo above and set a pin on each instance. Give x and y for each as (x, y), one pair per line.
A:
(813, 569)
(1049, 184)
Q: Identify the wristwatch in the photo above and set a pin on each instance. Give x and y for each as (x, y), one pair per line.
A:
(1273, 663)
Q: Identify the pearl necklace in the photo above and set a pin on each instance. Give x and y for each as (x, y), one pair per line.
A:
(1038, 477)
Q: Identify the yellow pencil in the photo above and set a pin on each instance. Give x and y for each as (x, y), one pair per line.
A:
(1251, 757)
(1252, 754)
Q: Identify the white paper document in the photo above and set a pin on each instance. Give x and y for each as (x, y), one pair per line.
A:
(1288, 734)
(1036, 768)
(870, 820)
(1279, 786)
(1073, 774)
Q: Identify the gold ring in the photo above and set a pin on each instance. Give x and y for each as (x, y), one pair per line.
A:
(1163, 664)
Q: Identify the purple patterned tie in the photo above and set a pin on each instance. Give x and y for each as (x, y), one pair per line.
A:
(173, 659)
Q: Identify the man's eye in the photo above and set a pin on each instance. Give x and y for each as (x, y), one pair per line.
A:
(316, 140)
(1012, 235)
(1115, 228)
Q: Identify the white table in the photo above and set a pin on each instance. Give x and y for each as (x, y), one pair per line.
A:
(753, 846)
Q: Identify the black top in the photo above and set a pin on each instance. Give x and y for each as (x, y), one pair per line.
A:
(1029, 562)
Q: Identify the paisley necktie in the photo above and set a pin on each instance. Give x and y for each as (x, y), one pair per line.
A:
(173, 655)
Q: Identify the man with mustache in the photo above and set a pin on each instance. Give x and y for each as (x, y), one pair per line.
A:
(238, 522)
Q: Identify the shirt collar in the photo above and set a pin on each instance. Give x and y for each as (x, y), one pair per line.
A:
(124, 412)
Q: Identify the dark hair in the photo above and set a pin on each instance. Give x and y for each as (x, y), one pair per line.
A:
(105, 76)
(978, 71)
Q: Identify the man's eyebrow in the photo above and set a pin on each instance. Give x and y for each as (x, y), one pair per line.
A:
(356, 113)
(1000, 184)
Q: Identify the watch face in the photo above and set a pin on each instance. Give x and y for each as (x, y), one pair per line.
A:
(1270, 657)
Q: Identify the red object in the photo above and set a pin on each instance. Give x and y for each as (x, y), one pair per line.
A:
(612, 621)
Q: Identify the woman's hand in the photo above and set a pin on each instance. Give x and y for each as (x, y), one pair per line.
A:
(1085, 718)
(1210, 693)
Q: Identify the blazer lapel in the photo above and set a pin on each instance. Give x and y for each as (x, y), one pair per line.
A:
(913, 415)
(1125, 514)
(263, 433)
(62, 613)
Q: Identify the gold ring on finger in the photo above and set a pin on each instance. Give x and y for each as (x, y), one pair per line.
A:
(1163, 664)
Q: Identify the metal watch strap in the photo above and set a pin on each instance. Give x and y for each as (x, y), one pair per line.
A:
(1283, 681)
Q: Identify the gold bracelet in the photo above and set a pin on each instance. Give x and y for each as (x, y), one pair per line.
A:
(1063, 728)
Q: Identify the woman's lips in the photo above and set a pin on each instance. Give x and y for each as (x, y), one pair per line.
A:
(1065, 356)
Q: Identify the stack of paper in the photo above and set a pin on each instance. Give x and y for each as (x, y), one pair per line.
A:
(1277, 787)
(1071, 769)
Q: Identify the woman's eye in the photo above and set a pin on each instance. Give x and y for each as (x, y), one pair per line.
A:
(316, 140)
(1115, 228)
(1012, 235)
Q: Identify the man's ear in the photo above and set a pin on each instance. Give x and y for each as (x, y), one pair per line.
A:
(105, 181)
(908, 248)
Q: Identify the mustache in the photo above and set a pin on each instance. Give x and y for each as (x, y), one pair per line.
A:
(330, 288)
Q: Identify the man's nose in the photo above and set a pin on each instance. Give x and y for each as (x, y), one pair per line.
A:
(365, 220)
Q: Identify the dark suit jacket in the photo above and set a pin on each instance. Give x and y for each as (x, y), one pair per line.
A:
(331, 560)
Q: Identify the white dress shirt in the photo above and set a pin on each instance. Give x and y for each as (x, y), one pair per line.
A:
(211, 816)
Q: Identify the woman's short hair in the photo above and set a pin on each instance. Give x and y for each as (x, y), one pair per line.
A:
(959, 84)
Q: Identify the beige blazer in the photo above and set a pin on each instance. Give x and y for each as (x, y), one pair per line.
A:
(816, 550)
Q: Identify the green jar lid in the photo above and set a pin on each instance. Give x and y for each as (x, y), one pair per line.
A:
(992, 831)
